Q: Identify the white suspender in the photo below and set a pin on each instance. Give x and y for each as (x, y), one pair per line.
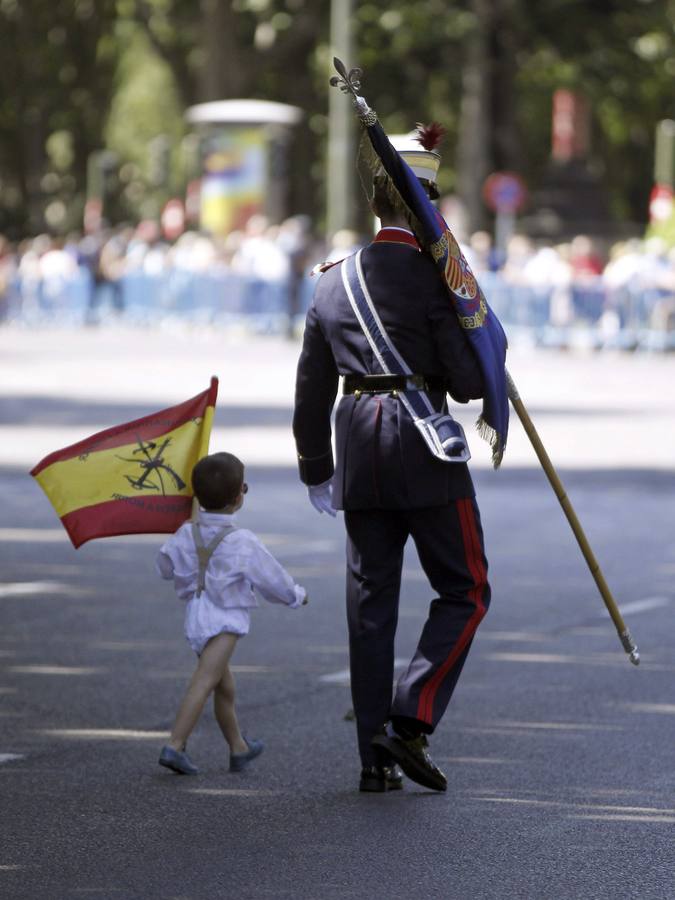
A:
(205, 551)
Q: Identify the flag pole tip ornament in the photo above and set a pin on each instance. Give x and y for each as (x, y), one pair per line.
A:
(349, 82)
(405, 173)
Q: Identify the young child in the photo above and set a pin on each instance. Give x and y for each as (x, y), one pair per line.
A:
(215, 566)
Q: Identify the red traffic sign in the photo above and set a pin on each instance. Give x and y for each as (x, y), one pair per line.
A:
(173, 219)
(504, 192)
(661, 203)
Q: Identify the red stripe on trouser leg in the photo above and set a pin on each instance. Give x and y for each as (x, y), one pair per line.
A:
(474, 560)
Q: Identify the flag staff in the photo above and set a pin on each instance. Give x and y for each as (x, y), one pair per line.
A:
(629, 644)
(494, 419)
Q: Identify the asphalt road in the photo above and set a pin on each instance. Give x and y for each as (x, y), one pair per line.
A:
(559, 753)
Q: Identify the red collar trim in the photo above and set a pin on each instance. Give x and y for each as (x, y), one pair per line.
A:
(396, 236)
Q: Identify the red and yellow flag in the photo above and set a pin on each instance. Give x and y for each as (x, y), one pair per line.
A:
(133, 478)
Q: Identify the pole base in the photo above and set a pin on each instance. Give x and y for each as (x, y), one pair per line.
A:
(630, 647)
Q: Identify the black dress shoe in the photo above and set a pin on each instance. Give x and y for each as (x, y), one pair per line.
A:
(411, 755)
(378, 779)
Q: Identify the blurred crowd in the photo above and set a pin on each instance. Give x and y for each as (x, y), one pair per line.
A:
(40, 273)
(624, 287)
(627, 285)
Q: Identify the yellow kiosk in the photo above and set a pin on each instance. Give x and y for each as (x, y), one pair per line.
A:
(242, 151)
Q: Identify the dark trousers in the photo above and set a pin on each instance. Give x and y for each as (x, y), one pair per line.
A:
(449, 542)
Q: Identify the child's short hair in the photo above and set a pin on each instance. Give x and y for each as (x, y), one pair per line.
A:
(217, 480)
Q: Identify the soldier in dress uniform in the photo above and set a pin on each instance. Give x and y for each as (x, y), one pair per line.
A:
(391, 487)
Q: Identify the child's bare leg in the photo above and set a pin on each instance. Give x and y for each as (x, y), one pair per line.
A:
(210, 669)
(223, 707)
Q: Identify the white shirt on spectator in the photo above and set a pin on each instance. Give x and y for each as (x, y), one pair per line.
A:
(239, 565)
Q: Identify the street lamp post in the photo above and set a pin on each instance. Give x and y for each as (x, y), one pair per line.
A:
(340, 174)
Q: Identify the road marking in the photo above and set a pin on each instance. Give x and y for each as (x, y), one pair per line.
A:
(26, 588)
(132, 645)
(532, 657)
(317, 571)
(602, 812)
(115, 734)
(9, 757)
(522, 636)
(644, 605)
(45, 535)
(508, 727)
(55, 670)
(473, 760)
(60, 535)
(232, 792)
(343, 676)
(305, 548)
(583, 659)
(664, 708)
(624, 817)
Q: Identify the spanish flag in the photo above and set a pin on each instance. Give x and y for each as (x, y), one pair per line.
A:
(133, 478)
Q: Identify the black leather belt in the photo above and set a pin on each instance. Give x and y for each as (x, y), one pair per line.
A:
(384, 384)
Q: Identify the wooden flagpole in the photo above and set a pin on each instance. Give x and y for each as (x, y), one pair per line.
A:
(624, 634)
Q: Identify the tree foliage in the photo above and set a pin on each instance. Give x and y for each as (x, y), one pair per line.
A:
(621, 55)
(58, 62)
(77, 73)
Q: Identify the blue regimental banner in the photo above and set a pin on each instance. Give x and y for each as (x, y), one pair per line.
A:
(482, 327)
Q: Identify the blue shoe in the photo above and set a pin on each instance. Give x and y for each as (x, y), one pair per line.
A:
(239, 761)
(178, 761)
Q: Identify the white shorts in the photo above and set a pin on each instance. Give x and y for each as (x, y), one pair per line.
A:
(204, 620)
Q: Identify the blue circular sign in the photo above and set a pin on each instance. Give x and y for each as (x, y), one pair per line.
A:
(504, 192)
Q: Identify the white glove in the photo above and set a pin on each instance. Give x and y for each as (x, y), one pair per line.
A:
(320, 496)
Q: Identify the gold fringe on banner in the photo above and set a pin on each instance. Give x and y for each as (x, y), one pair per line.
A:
(488, 434)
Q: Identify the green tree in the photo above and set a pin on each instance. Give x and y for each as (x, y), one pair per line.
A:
(265, 49)
(76, 72)
(145, 127)
(621, 55)
(56, 82)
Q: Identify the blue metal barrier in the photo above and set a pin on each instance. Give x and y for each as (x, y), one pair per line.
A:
(642, 317)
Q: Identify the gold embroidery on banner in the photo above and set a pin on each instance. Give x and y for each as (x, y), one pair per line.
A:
(440, 247)
(453, 246)
(477, 319)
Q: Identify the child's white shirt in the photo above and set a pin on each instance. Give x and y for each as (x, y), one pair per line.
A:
(239, 565)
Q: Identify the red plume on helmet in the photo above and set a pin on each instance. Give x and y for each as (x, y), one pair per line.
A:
(429, 136)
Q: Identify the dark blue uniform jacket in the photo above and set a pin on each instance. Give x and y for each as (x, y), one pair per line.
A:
(382, 460)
